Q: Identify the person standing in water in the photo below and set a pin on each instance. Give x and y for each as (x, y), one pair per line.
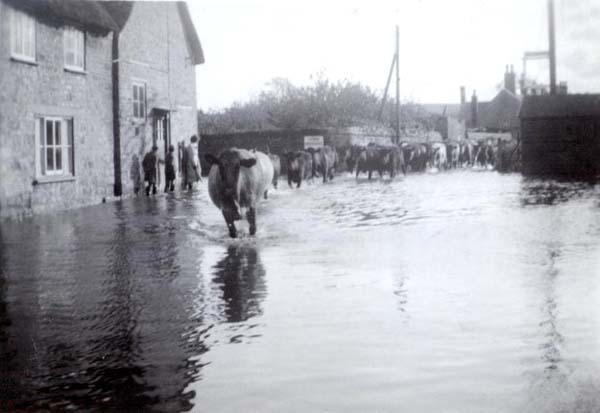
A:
(169, 170)
(149, 164)
(191, 164)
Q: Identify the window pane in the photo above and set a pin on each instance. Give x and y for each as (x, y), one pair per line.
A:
(70, 132)
(49, 134)
(135, 92)
(70, 149)
(135, 109)
(42, 162)
(59, 159)
(57, 132)
(50, 159)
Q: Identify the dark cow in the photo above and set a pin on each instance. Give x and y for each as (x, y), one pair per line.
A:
(484, 154)
(324, 162)
(276, 168)
(351, 156)
(392, 159)
(371, 159)
(415, 156)
(299, 167)
(238, 179)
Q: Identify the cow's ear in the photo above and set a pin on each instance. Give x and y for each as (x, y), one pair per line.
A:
(298, 155)
(247, 163)
(211, 159)
(310, 150)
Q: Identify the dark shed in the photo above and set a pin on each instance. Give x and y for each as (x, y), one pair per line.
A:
(560, 135)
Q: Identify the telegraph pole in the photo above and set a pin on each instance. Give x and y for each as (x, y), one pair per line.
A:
(397, 85)
(551, 47)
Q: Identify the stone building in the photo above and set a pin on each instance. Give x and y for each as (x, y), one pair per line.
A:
(66, 69)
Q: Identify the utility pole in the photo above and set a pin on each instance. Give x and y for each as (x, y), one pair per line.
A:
(551, 47)
(397, 85)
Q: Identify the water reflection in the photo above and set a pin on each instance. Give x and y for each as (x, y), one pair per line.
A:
(553, 339)
(99, 317)
(552, 192)
(240, 277)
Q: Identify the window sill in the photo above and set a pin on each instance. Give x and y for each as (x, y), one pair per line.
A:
(25, 60)
(75, 70)
(53, 179)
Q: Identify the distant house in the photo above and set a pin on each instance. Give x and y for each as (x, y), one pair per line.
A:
(66, 68)
(497, 116)
(560, 135)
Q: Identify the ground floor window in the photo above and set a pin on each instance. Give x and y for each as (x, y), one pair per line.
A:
(54, 147)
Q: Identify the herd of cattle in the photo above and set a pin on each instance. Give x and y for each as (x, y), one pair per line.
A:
(239, 178)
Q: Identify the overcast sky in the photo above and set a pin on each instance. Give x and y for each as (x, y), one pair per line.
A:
(443, 44)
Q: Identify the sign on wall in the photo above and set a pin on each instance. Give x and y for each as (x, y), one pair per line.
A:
(313, 142)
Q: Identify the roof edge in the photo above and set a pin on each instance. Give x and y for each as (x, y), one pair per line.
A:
(191, 36)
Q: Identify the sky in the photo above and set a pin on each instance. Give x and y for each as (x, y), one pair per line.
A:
(443, 45)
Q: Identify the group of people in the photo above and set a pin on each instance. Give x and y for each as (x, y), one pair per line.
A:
(190, 168)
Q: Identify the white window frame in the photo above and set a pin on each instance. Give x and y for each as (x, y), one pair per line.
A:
(64, 127)
(74, 44)
(22, 36)
(140, 104)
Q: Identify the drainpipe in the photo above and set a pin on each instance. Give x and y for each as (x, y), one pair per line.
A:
(118, 186)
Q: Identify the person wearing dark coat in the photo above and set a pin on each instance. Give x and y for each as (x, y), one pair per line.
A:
(169, 170)
(149, 164)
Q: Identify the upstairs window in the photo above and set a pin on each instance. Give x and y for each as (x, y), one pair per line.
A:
(54, 145)
(74, 49)
(22, 36)
(139, 100)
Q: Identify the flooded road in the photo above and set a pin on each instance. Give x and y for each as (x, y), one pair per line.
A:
(460, 292)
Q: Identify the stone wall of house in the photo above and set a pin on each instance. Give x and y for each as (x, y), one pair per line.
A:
(47, 89)
(163, 64)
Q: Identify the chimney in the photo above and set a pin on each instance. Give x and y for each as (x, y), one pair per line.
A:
(510, 80)
(474, 110)
(463, 105)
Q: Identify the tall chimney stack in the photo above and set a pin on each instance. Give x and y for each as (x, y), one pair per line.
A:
(474, 110)
(510, 80)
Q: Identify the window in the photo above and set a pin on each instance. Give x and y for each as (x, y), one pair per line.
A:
(22, 36)
(54, 143)
(74, 49)
(139, 100)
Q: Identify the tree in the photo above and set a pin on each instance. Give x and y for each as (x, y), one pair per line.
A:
(321, 104)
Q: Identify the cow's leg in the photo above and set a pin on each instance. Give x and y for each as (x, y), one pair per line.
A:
(251, 217)
(370, 173)
(289, 182)
(231, 227)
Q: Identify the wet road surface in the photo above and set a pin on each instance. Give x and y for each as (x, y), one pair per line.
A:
(464, 291)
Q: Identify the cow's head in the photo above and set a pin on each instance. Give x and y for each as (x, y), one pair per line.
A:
(291, 160)
(229, 163)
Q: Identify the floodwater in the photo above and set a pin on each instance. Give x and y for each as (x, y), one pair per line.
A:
(458, 292)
